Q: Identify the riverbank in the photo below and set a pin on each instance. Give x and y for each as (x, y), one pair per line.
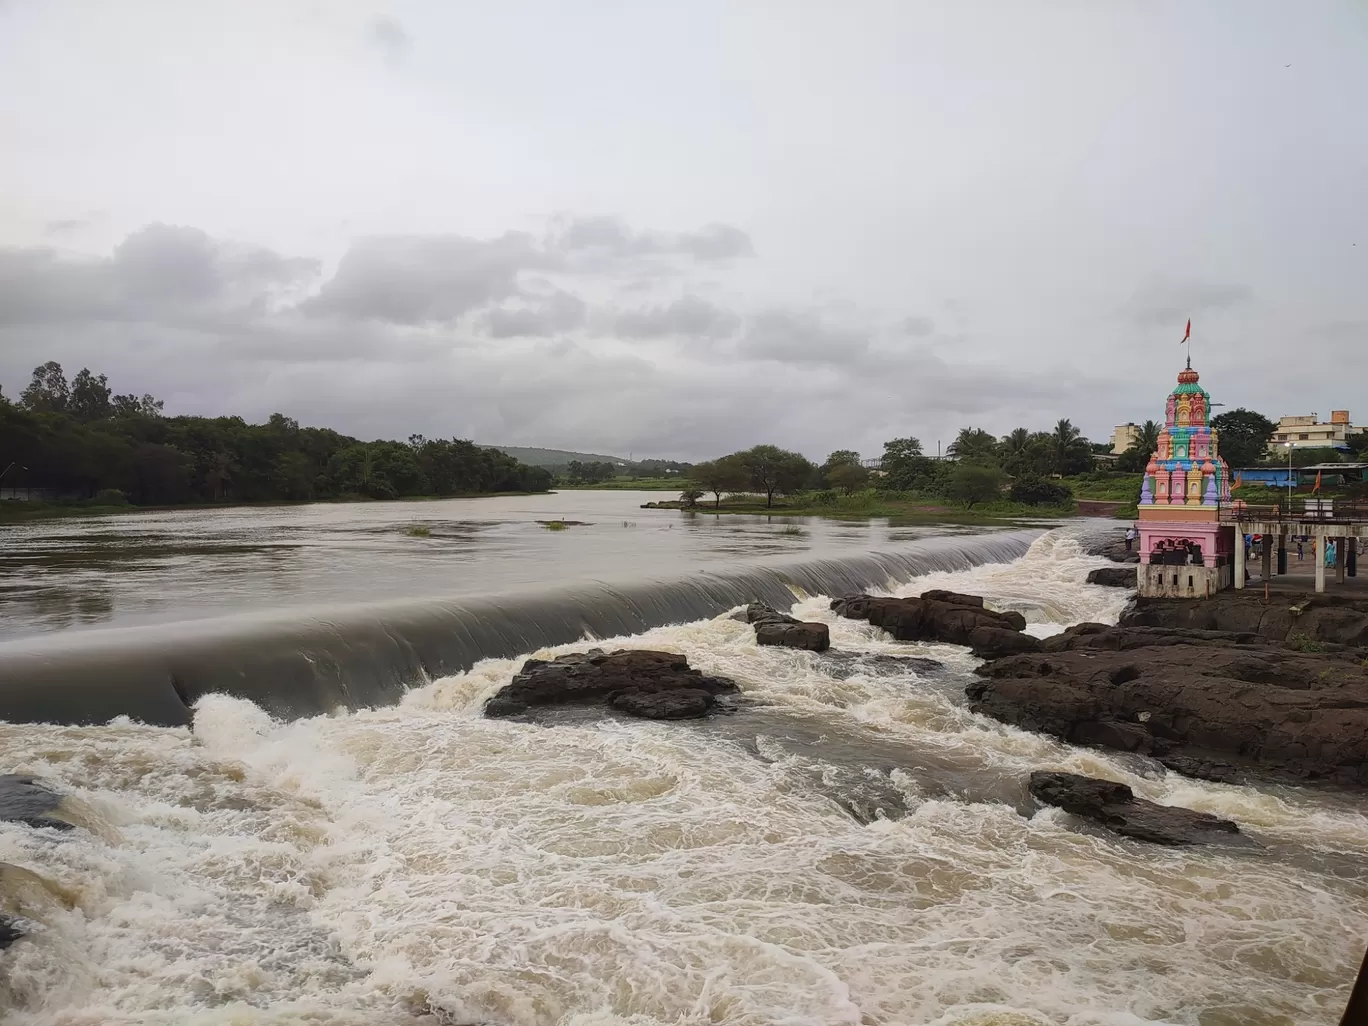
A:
(16, 512)
(874, 505)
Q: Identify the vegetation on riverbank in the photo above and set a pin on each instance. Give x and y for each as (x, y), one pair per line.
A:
(896, 506)
(78, 442)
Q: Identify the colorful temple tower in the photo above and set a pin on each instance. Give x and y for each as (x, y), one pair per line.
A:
(1185, 485)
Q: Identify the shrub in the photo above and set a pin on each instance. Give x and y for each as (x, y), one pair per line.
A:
(1303, 642)
(418, 531)
(111, 497)
(1036, 491)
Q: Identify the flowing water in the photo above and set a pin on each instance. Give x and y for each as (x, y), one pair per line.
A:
(851, 847)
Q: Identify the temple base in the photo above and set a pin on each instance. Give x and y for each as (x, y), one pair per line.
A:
(1156, 580)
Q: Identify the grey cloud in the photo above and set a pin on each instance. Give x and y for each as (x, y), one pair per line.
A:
(155, 272)
(689, 316)
(1168, 302)
(556, 313)
(391, 39)
(918, 327)
(801, 337)
(610, 237)
(416, 279)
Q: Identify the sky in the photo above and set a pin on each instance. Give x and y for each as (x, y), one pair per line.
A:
(680, 229)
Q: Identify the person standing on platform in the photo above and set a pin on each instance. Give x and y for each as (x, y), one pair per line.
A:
(1130, 538)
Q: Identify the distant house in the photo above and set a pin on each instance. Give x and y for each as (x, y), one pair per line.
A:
(1310, 432)
(1332, 475)
(1124, 437)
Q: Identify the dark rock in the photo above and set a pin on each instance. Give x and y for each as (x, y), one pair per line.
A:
(1327, 618)
(843, 665)
(927, 619)
(9, 931)
(678, 704)
(995, 642)
(1112, 545)
(23, 799)
(1113, 577)
(775, 628)
(953, 597)
(1217, 705)
(1115, 807)
(815, 637)
(597, 677)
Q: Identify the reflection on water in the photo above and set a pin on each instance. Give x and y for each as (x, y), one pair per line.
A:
(168, 566)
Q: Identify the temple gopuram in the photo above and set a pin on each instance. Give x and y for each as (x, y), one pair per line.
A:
(1185, 551)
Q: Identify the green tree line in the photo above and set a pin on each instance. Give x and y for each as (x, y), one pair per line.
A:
(79, 439)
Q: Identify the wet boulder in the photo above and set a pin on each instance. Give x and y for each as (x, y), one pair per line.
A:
(639, 682)
(1113, 577)
(775, 628)
(9, 931)
(1114, 806)
(996, 642)
(24, 799)
(935, 616)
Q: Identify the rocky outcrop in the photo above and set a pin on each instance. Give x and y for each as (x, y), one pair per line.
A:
(1111, 545)
(1297, 619)
(844, 665)
(775, 628)
(939, 616)
(24, 799)
(9, 931)
(1113, 577)
(639, 682)
(1114, 806)
(1209, 704)
(996, 642)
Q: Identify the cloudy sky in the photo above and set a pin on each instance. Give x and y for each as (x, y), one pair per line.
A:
(680, 228)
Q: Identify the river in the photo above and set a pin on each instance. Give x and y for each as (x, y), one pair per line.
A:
(852, 847)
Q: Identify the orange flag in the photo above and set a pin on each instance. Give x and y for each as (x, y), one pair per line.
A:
(1316, 488)
(1186, 334)
(1238, 481)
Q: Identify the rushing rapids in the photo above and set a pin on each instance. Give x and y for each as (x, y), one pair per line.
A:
(850, 847)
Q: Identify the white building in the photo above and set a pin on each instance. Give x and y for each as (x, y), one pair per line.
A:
(1310, 432)
(1124, 436)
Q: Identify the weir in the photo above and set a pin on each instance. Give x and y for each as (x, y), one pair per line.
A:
(312, 663)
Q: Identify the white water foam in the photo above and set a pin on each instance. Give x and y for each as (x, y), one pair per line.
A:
(420, 864)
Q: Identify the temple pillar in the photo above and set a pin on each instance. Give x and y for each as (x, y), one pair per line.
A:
(1239, 560)
(1320, 562)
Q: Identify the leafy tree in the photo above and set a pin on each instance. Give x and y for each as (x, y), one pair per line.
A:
(89, 398)
(1242, 436)
(721, 475)
(133, 406)
(974, 445)
(48, 391)
(1069, 452)
(906, 468)
(1037, 491)
(849, 457)
(774, 471)
(1311, 455)
(690, 496)
(848, 477)
(1023, 451)
(971, 482)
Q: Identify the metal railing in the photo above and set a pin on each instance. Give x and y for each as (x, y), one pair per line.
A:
(1301, 511)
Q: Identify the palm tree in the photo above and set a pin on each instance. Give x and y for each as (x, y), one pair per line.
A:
(1148, 441)
(974, 445)
(1068, 449)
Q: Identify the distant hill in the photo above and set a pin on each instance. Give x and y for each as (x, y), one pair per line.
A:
(554, 457)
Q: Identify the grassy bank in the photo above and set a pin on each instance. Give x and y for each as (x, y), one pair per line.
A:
(864, 505)
(627, 484)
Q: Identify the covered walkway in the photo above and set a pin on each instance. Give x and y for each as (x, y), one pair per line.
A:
(1322, 522)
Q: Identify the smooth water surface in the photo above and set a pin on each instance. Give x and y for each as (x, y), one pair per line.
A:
(144, 568)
